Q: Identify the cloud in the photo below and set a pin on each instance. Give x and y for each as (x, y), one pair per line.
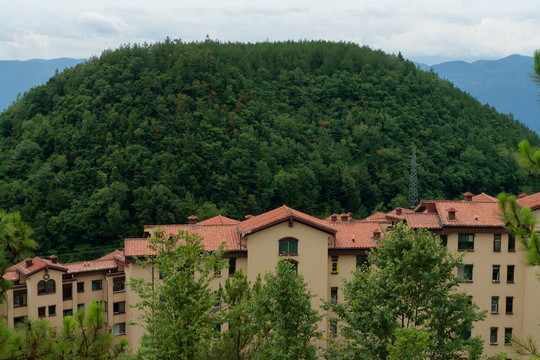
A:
(102, 24)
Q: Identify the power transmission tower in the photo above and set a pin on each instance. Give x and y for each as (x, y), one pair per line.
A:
(413, 182)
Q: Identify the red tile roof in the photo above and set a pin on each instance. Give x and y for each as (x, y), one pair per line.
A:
(280, 215)
(532, 201)
(468, 213)
(360, 231)
(219, 220)
(379, 215)
(483, 197)
(422, 220)
(38, 264)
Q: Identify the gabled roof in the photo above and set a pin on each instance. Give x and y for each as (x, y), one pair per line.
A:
(422, 220)
(38, 264)
(219, 220)
(467, 213)
(279, 215)
(483, 197)
(354, 235)
(378, 216)
(532, 201)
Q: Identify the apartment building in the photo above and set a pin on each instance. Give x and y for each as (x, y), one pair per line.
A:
(325, 251)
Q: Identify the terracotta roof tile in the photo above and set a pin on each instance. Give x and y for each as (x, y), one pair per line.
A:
(279, 215)
(92, 265)
(532, 201)
(483, 197)
(360, 231)
(422, 220)
(379, 215)
(219, 220)
(468, 213)
(38, 264)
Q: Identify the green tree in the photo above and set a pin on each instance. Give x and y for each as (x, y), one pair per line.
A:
(285, 316)
(178, 313)
(407, 305)
(15, 244)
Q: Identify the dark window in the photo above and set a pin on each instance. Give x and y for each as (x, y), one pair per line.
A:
(495, 273)
(119, 284)
(510, 273)
(41, 287)
(466, 242)
(52, 310)
(18, 320)
(119, 329)
(465, 273)
(494, 304)
(80, 307)
(466, 335)
(217, 333)
(509, 304)
(288, 246)
(335, 264)
(97, 284)
(334, 294)
(41, 311)
(67, 291)
(444, 240)
(80, 287)
(232, 266)
(508, 336)
(493, 336)
(119, 307)
(333, 328)
(51, 286)
(68, 312)
(497, 242)
(20, 298)
(511, 243)
(362, 261)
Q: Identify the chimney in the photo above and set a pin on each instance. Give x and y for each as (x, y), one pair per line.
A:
(28, 262)
(376, 234)
(522, 195)
(249, 216)
(333, 218)
(344, 217)
(468, 196)
(398, 211)
(452, 214)
(54, 259)
(193, 219)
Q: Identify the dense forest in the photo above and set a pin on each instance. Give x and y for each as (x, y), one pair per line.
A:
(150, 134)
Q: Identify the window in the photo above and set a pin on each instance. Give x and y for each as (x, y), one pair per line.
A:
(97, 285)
(466, 242)
(334, 265)
(333, 328)
(232, 266)
(41, 311)
(119, 329)
(444, 240)
(217, 303)
(67, 291)
(217, 333)
(333, 294)
(20, 298)
(493, 336)
(41, 287)
(362, 261)
(466, 335)
(497, 242)
(80, 287)
(119, 284)
(509, 304)
(51, 286)
(510, 273)
(288, 246)
(465, 273)
(495, 273)
(18, 320)
(68, 312)
(508, 336)
(511, 243)
(52, 310)
(48, 287)
(80, 307)
(494, 304)
(119, 307)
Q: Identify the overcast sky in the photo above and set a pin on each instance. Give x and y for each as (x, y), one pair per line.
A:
(429, 31)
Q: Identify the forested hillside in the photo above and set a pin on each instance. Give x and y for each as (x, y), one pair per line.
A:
(150, 134)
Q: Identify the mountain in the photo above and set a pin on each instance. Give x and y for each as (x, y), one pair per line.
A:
(505, 84)
(17, 77)
(150, 134)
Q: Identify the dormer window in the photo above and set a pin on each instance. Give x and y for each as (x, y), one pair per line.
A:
(288, 246)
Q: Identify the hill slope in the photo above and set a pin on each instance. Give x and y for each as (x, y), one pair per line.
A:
(152, 134)
(17, 77)
(505, 84)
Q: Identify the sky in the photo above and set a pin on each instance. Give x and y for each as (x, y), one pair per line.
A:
(428, 31)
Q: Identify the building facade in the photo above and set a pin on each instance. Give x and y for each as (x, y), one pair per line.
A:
(326, 252)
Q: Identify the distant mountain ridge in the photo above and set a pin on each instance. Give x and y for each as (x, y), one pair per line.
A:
(506, 84)
(17, 77)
